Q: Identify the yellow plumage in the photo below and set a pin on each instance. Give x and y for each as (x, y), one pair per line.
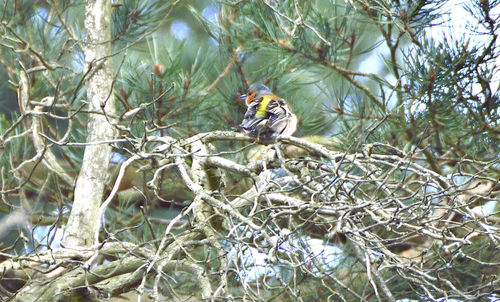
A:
(261, 111)
(268, 116)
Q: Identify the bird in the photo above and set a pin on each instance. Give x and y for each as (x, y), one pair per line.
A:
(268, 116)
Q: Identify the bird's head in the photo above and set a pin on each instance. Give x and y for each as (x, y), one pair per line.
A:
(254, 92)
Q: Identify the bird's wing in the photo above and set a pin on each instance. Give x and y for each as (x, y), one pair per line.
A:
(251, 110)
(250, 120)
(277, 112)
(253, 122)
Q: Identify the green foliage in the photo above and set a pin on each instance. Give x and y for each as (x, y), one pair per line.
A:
(365, 78)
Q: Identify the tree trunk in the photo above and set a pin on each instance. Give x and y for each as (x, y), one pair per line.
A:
(93, 174)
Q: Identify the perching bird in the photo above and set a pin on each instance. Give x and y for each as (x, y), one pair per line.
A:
(268, 116)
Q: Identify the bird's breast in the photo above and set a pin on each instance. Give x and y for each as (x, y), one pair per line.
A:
(262, 107)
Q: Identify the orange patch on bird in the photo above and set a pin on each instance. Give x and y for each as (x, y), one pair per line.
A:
(250, 97)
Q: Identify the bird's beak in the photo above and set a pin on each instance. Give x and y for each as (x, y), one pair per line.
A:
(243, 97)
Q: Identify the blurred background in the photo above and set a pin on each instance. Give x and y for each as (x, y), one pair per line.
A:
(420, 76)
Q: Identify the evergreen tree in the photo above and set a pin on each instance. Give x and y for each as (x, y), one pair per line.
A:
(121, 172)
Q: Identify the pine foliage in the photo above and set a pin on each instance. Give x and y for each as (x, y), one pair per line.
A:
(388, 191)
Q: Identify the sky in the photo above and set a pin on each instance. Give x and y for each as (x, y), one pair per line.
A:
(459, 22)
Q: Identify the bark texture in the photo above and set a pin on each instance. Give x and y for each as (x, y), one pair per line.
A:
(94, 172)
